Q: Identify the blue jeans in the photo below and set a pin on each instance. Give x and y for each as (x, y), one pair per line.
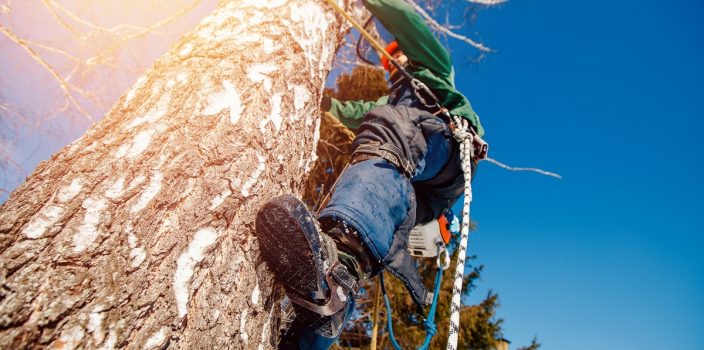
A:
(375, 198)
(308, 339)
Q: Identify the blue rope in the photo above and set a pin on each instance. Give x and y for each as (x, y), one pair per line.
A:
(429, 323)
(389, 324)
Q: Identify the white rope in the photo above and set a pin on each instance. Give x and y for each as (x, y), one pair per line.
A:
(465, 138)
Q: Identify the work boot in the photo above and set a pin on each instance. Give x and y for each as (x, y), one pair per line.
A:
(305, 261)
(352, 252)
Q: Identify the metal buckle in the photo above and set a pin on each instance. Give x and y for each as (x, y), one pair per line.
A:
(337, 300)
(443, 259)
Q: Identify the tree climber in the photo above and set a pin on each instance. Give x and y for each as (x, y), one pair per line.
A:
(404, 170)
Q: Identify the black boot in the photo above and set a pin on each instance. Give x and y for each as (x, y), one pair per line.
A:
(305, 261)
(352, 252)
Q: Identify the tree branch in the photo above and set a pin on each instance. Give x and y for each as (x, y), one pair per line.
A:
(439, 27)
(510, 168)
(52, 49)
(65, 86)
(48, 4)
(151, 28)
(488, 2)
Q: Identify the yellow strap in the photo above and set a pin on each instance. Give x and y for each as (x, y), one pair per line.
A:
(361, 30)
(377, 303)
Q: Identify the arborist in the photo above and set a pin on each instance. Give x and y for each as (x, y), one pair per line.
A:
(404, 170)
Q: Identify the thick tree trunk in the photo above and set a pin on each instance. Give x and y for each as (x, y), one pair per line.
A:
(139, 234)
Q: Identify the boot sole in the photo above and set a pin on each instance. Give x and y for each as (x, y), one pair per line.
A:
(290, 244)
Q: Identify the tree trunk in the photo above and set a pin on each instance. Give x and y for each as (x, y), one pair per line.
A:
(139, 234)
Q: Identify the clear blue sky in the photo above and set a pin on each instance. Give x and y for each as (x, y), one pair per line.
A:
(609, 94)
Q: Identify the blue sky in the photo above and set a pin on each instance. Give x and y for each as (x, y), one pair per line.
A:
(608, 94)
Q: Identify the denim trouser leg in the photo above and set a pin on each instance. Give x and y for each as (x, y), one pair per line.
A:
(308, 339)
(379, 201)
(375, 198)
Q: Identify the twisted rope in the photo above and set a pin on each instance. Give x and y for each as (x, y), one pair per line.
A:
(463, 135)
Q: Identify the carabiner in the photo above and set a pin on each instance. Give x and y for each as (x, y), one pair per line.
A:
(443, 260)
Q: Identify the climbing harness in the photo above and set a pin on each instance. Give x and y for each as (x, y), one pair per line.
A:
(472, 148)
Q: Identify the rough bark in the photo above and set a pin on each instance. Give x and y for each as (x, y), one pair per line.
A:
(139, 234)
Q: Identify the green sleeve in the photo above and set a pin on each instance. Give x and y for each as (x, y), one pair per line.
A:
(413, 35)
(351, 113)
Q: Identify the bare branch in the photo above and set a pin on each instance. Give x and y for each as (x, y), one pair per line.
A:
(151, 28)
(52, 49)
(65, 86)
(488, 2)
(328, 144)
(8, 111)
(439, 27)
(510, 168)
(48, 4)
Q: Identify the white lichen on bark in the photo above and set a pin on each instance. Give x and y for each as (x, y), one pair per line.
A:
(133, 91)
(261, 166)
(186, 263)
(111, 340)
(185, 50)
(67, 193)
(153, 114)
(70, 338)
(274, 115)
(219, 199)
(141, 142)
(227, 98)
(301, 96)
(255, 295)
(116, 189)
(149, 193)
(156, 340)
(41, 222)
(88, 231)
(243, 326)
(266, 330)
(260, 73)
(314, 154)
(95, 324)
(137, 253)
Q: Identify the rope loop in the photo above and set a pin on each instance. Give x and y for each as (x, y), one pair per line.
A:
(430, 328)
(461, 130)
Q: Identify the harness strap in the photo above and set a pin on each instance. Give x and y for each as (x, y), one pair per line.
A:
(387, 151)
(341, 283)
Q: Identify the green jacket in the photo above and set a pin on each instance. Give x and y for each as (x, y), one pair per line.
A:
(429, 63)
